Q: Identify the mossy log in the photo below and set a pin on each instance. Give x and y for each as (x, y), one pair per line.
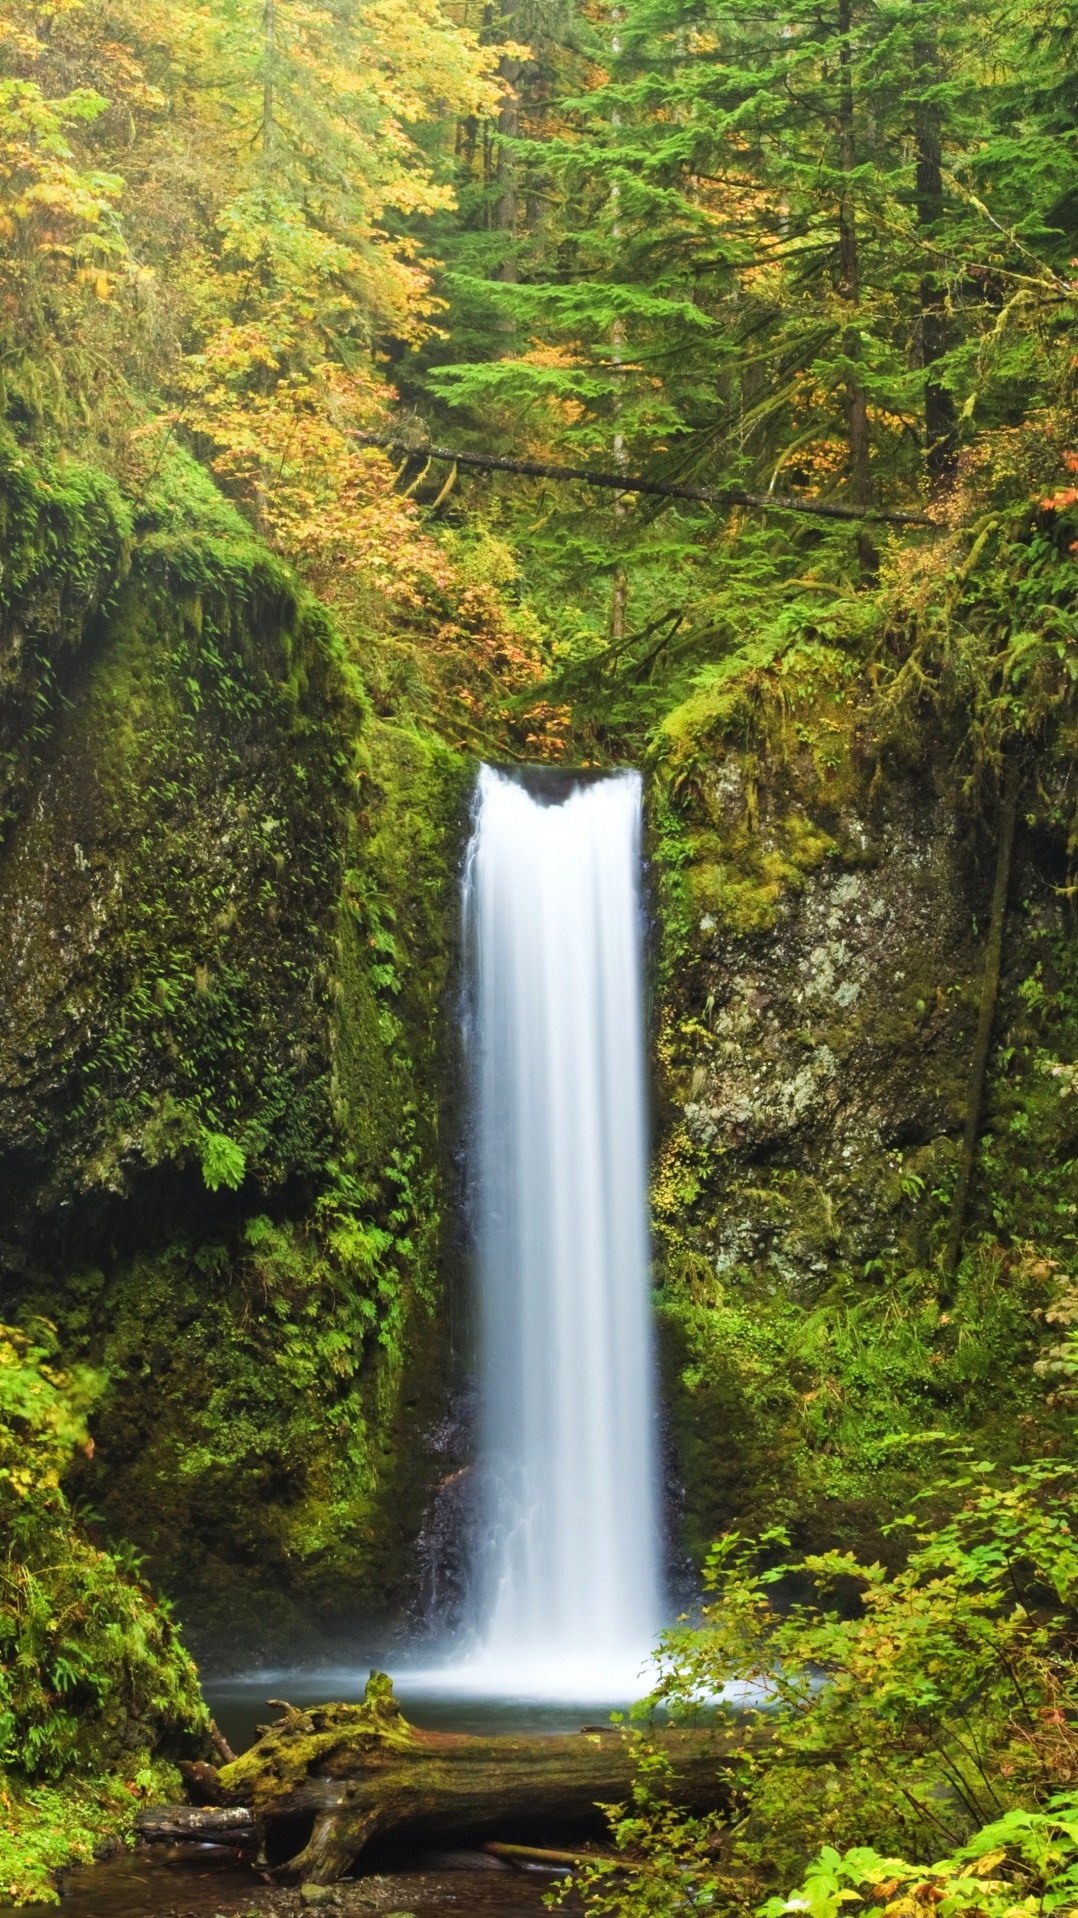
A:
(362, 1771)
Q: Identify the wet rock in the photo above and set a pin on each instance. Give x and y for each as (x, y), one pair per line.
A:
(823, 941)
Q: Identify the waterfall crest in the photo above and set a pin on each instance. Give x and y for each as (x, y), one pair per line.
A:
(567, 1576)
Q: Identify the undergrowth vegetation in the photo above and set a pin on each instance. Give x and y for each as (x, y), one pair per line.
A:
(95, 1685)
(910, 1731)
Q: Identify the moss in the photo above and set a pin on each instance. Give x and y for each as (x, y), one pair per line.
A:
(822, 922)
(760, 763)
(47, 1829)
(321, 1742)
(396, 940)
(259, 1438)
(228, 906)
(66, 535)
(744, 895)
(165, 901)
(97, 1694)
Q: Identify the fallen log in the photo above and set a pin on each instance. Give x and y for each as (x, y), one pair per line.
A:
(420, 447)
(183, 1824)
(356, 1772)
(202, 1781)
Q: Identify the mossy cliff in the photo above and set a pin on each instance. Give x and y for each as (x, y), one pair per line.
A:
(227, 915)
(227, 924)
(824, 892)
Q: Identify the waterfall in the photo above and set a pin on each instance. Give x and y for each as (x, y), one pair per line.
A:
(567, 1584)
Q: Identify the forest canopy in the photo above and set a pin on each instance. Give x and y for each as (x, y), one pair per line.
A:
(821, 256)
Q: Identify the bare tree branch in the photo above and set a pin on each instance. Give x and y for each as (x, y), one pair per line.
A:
(624, 483)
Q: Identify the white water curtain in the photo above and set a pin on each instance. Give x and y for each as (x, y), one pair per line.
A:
(568, 1582)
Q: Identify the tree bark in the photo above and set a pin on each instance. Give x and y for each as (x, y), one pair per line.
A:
(986, 1018)
(860, 470)
(941, 426)
(361, 1770)
(175, 1824)
(630, 483)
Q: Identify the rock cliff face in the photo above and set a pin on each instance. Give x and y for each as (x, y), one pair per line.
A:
(166, 914)
(824, 908)
(228, 899)
(837, 1045)
(227, 917)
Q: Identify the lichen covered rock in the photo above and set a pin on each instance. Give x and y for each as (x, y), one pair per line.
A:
(823, 909)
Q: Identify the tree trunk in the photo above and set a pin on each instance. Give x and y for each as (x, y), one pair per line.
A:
(940, 420)
(269, 61)
(619, 602)
(508, 128)
(180, 1824)
(860, 471)
(986, 1018)
(624, 482)
(360, 1770)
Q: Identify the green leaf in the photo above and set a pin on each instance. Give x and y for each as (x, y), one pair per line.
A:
(223, 1161)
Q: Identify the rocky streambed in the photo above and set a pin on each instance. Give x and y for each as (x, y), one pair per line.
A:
(206, 1882)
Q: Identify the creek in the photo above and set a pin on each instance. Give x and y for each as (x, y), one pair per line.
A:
(205, 1882)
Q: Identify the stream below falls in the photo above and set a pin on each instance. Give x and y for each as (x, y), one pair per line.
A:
(205, 1882)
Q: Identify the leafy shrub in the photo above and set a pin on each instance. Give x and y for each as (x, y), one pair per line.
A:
(94, 1682)
(912, 1728)
(223, 1161)
(1024, 1862)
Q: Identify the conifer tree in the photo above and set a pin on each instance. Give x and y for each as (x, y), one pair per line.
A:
(841, 232)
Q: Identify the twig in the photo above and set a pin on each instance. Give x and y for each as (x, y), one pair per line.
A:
(538, 1855)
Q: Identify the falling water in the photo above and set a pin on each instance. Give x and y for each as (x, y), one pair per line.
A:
(567, 1581)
